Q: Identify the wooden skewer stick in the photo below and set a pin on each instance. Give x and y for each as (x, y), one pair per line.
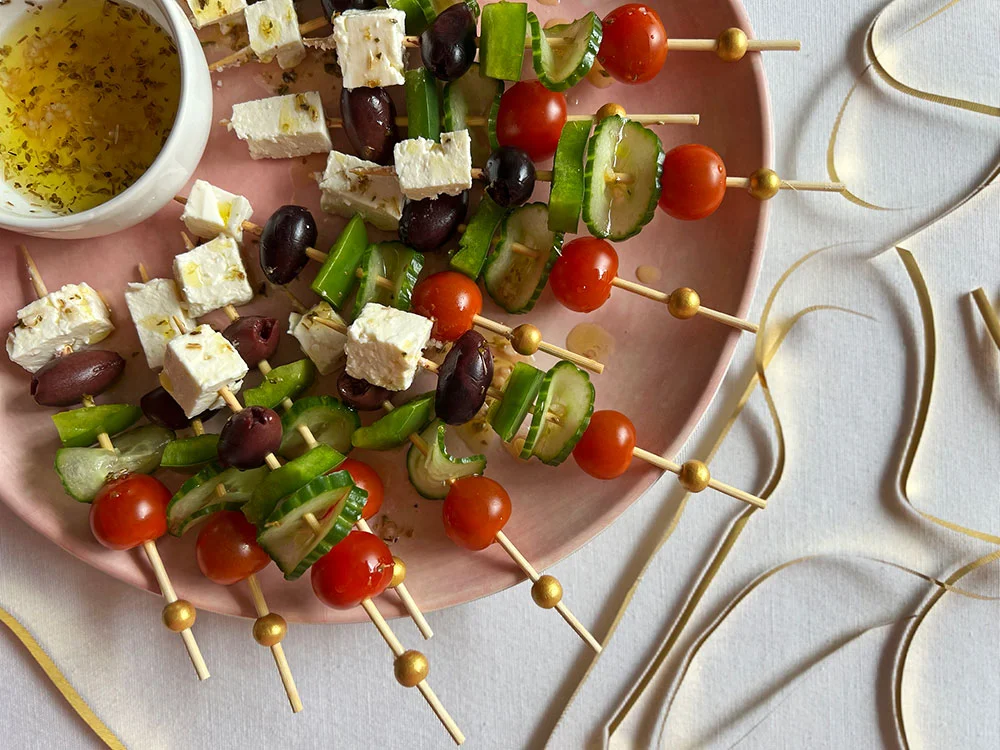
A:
(247, 226)
(989, 314)
(245, 54)
(479, 121)
(684, 303)
(750, 183)
(269, 630)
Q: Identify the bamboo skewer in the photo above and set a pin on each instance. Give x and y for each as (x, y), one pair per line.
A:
(245, 54)
(746, 183)
(478, 121)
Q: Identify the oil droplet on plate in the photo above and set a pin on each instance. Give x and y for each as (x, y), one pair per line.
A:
(590, 340)
(648, 274)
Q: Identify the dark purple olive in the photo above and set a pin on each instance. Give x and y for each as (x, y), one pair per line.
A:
(361, 394)
(510, 176)
(427, 224)
(254, 337)
(68, 378)
(463, 379)
(289, 232)
(370, 122)
(160, 408)
(339, 6)
(448, 46)
(248, 436)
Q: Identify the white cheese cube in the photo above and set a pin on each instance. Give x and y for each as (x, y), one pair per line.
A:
(322, 344)
(384, 346)
(197, 365)
(212, 276)
(68, 318)
(370, 47)
(207, 12)
(153, 307)
(211, 211)
(282, 127)
(375, 197)
(274, 32)
(426, 168)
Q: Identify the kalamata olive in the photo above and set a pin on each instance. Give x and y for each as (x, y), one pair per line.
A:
(448, 46)
(361, 394)
(427, 224)
(248, 436)
(255, 338)
(510, 176)
(370, 122)
(67, 379)
(463, 379)
(160, 408)
(287, 235)
(339, 6)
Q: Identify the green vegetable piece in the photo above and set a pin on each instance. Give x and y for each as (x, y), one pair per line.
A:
(190, 451)
(566, 193)
(419, 14)
(337, 276)
(395, 428)
(329, 420)
(287, 479)
(472, 95)
(79, 428)
(560, 67)
(388, 260)
(518, 396)
(286, 381)
(429, 474)
(515, 281)
(568, 395)
(423, 108)
(198, 497)
(501, 44)
(475, 243)
(491, 124)
(440, 6)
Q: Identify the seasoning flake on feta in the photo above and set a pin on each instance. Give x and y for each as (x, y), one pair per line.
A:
(197, 365)
(375, 197)
(282, 127)
(153, 306)
(207, 12)
(384, 346)
(370, 47)
(426, 168)
(273, 27)
(211, 276)
(322, 344)
(211, 211)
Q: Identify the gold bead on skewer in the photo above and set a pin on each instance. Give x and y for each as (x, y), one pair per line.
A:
(270, 629)
(694, 476)
(526, 339)
(547, 591)
(411, 668)
(732, 45)
(179, 615)
(398, 572)
(764, 184)
(683, 303)
(609, 110)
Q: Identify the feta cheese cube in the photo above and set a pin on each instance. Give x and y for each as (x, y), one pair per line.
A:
(207, 12)
(68, 318)
(153, 307)
(212, 276)
(274, 32)
(211, 211)
(375, 197)
(384, 346)
(282, 127)
(426, 168)
(322, 344)
(197, 365)
(370, 47)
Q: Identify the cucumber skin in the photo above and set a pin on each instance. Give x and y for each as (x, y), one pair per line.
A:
(586, 60)
(506, 16)
(541, 406)
(303, 405)
(543, 279)
(454, 95)
(564, 212)
(439, 446)
(178, 528)
(268, 494)
(400, 297)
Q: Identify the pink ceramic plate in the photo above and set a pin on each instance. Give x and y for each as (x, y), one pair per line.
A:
(663, 372)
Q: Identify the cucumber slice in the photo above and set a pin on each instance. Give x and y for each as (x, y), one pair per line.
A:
(287, 479)
(518, 396)
(79, 428)
(286, 381)
(429, 474)
(395, 428)
(388, 260)
(331, 422)
(472, 95)
(514, 281)
(419, 14)
(291, 543)
(423, 108)
(477, 238)
(501, 42)
(618, 210)
(568, 395)
(198, 498)
(83, 471)
(559, 68)
(337, 276)
(190, 451)
(566, 193)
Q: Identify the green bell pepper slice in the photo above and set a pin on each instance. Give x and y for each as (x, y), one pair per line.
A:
(337, 277)
(79, 428)
(286, 381)
(395, 428)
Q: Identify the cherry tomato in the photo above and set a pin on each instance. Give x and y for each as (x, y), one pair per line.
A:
(129, 511)
(581, 277)
(451, 300)
(531, 118)
(358, 568)
(605, 450)
(227, 549)
(365, 477)
(474, 511)
(633, 44)
(694, 182)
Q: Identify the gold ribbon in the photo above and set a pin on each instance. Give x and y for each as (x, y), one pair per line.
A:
(59, 680)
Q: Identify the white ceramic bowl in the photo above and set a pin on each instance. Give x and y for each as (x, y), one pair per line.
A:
(169, 172)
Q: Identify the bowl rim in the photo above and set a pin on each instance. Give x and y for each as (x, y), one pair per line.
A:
(175, 24)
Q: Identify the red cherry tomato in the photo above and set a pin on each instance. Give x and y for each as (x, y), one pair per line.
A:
(474, 511)
(365, 477)
(531, 118)
(582, 275)
(694, 182)
(129, 511)
(605, 450)
(227, 549)
(633, 44)
(358, 568)
(451, 300)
